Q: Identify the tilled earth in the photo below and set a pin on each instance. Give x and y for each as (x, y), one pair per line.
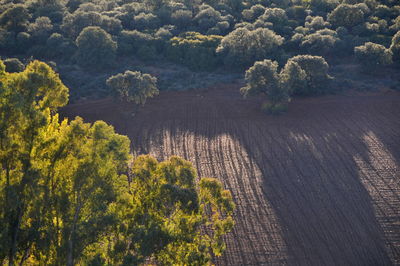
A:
(319, 185)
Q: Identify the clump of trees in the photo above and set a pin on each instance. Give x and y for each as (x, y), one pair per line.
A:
(133, 86)
(68, 195)
(96, 48)
(302, 75)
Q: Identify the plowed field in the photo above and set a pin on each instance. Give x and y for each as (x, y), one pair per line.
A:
(319, 185)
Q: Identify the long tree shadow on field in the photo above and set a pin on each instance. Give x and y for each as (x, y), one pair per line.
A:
(326, 203)
(319, 166)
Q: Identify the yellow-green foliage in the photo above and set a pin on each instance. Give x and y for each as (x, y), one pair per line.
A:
(164, 210)
(65, 198)
(57, 180)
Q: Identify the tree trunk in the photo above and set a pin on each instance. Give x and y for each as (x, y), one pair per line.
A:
(70, 255)
(13, 248)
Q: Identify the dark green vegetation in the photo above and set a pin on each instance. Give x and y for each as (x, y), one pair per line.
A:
(133, 86)
(90, 40)
(70, 192)
(302, 75)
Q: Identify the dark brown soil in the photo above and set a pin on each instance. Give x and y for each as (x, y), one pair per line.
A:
(319, 185)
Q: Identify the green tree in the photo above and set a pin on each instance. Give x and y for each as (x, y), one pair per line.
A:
(242, 47)
(346, 16)
(96, 48)
(316, 70)
(395, 47)
(166, 218)
(130, 42)
(15, 18)
(293, 77)
(372, 55)
(41, 29)
(64, 198)
(134, 86)
(263, 78)
(195, 50)
(27, 100)
(321, 42)
(13, 65)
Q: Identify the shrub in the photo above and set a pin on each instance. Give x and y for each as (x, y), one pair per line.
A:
(53, 9)
(134, 86)
(13, 65)
(346, 16)
(263, 78)
(95, 48)
(254, 12)
(59, 47)
(23, 41)
(145, 21)
(207, 18)
(275, 19)
(372, 55)
(129, 42)
(73, 24)
(293, 77)
(395, 47)
(242, 47)
(316, 70)
(181, 18)
(321, 42)
(195, 50)
(316, 23)
(15, 18)
(41, 29)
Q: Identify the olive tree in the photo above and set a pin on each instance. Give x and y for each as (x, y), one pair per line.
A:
(263, 78)
(15, 18)
(372, 55)
(346, 16)
(293, 77)
(134, 86)
(316, 71)
(195, 50)
(41, 29)
(242, 47)
(13, 65)
(96, 48)
(395, 47)
(74, 23)
(321, 42)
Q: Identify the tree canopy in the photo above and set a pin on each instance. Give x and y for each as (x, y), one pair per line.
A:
(134, 86)
(71, 193)
(96, 48)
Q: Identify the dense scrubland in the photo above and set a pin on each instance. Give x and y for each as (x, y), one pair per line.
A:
(78, 193)
(88, 41)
